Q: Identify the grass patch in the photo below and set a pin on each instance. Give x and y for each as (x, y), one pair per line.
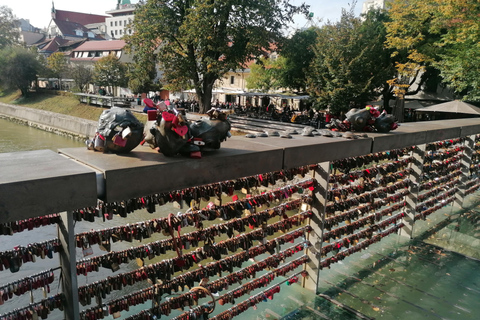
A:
(64, 104)
(7, 96)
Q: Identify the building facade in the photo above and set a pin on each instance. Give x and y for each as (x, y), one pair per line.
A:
(28, 34)
(72, 25)
(373, 4)
(118, 24)
(91, 51)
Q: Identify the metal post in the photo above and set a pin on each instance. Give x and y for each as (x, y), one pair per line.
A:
(466, 162)
(414, 190)
(321, 175)
(66, 235)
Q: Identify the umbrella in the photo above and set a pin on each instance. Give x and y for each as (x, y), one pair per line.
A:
(455, 106)
(409, 104)
(413, 104)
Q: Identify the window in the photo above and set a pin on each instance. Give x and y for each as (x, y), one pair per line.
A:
(111, 23)
(232, 79)
(121, 31)
(115, 23)
(116, 32)
(124, 22)
(120, 22)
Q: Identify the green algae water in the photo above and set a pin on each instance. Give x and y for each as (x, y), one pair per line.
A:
(17, 137)
(434, 276)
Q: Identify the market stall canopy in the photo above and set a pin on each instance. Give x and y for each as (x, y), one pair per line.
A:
(413, 104)
(219, 90)
(255, 94)
(291, 97)
(455, 106)
(409, 104)
(273, 95)
(227, 91)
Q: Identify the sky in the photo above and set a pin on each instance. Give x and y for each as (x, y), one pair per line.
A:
(38, 11)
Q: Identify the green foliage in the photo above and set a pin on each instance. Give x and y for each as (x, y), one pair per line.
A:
(57, 64)
(298, 54)
(460, 68)
(8, 27)
(196, 42)
(109, 72)
(142, 73)
(351, 64)
(289, 70)
(265, 74)
(443, 34)
(82, 76)
(19, 68)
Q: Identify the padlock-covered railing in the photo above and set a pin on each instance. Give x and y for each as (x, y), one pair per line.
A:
(328, 198)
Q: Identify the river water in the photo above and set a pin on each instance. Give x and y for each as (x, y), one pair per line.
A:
(397, 279)
(17, 137)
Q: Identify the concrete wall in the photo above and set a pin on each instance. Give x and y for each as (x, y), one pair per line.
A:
(50, 121)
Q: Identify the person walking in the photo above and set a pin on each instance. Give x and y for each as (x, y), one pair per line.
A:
(156, 98)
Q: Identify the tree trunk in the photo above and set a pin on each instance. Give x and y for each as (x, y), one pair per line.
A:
(205, 97)
(398, 109)
(387, 95)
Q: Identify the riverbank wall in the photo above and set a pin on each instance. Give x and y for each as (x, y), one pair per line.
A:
(61, 124)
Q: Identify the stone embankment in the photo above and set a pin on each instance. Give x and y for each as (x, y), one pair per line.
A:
(50, 121)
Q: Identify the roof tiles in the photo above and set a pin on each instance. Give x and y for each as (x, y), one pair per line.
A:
(78, 17)
(101, 45)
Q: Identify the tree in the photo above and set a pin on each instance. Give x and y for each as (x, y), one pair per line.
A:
(381, 62)
(8, 27)
(57, 64)
(459, 63)
(298, 54)
(19, 68)
(82, 76)
(409, 36)
(351, 64)
(439, 34)
(265, 74)
(142, 74)
(289, 70)
(196, 42)
(460, 68)
(109, 72)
